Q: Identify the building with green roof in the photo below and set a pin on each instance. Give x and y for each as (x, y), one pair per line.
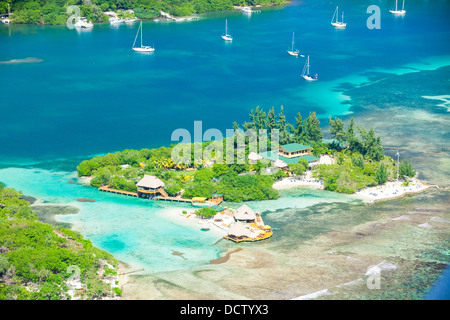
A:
(291, 153)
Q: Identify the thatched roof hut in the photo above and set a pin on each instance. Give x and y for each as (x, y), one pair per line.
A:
(150, 182)
(280, 164)
(244, 213)
(238, 230)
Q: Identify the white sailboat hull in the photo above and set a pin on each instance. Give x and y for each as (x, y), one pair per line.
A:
(398, 12)
(83, 24)
(116, 21)
(227, 38)
(309, 78)
(144, 49)
(339, 25)
(293, 53)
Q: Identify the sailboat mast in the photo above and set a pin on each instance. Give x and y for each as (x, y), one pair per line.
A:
(141, 34)
(226, 27)
(307, 67)
(403, 6)
(137, 33)
(292, 41)
(396, 2)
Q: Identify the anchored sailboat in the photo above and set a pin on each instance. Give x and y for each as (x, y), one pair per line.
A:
(305, 72)
(338, 24)
(293, 52)
(226, 36)
(398, 12)
(141, 48)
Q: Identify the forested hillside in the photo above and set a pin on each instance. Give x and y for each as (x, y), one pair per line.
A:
(55, 11)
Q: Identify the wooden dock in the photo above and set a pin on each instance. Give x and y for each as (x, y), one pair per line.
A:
(127, 193)
(164, 196)
(177, 199)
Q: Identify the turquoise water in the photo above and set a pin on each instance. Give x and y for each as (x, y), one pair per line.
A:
(134, 230)
(142, 232)
(92, 94)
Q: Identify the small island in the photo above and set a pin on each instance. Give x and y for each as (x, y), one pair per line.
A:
(350, 161)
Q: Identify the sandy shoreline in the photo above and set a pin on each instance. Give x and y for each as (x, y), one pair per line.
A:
(391, 190)
(305, 180)
(190, 220)
(387, 191)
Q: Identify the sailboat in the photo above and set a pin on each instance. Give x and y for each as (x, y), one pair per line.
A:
(247, 10)
(398, 12)
(226, 36)
(338, 24)
(305, 72)
(141, 48)
(293, 52)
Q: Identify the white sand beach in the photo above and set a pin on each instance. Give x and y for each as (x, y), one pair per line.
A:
(391, 189)
(305, 180)
(190, 220)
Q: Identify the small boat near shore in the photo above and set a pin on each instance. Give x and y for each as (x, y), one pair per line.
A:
(116, 20)
(83, 24)
(247, 10)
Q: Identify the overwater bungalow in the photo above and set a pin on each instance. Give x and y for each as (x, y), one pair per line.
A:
(239, 232)
(150, 187)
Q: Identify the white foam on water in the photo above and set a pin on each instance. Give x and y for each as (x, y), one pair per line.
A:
(444, 98)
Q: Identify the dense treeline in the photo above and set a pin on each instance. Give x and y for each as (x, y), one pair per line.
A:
(360, 161)
(54, 11)
(122, 170)
(35, 257)
(306, 131)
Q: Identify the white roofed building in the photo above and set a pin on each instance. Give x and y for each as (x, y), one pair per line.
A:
(245, 214)
(150, 186)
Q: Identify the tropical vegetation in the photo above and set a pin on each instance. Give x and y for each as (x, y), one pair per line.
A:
(55, 11)
(37, 260)
(358, 153)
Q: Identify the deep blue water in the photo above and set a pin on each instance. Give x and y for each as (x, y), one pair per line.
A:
(92, 94)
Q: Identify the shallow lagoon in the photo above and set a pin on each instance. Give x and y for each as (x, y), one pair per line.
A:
(78, 101)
